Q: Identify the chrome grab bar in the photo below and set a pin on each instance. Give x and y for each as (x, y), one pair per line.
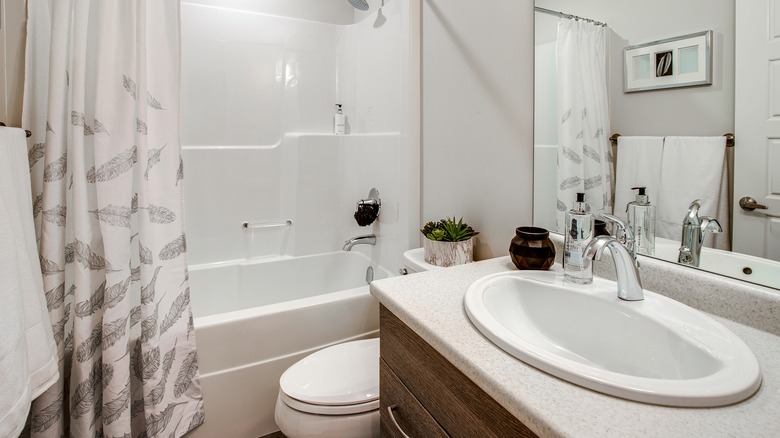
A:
(253, 225)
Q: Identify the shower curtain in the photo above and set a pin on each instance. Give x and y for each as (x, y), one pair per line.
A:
(584, 151)
(102, 100)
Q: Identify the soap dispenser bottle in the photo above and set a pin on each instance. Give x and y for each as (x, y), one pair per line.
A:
(577, 235)
(339, 121)
(641, 221)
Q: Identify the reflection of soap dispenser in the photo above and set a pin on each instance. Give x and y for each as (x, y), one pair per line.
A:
(339, 121)
(641, 221)
(578, 233)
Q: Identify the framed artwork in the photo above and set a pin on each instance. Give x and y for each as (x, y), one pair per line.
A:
(683, 61)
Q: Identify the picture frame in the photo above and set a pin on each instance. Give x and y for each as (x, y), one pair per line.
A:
(683, 61)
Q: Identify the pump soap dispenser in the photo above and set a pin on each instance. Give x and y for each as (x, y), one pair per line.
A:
(339, 121)
(578, 233)
(641, 221)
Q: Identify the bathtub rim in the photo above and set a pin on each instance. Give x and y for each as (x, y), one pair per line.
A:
(202, 322)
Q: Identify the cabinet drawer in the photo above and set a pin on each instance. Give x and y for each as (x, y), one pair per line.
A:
(456, 403)
(409, 414)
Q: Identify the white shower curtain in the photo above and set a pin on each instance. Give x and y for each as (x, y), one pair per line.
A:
(584, 151)
(102, 100)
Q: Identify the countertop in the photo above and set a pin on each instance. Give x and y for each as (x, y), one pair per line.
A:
(431, 304)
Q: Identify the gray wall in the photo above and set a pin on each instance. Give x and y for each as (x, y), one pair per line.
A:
(477, 116)
(706, 110)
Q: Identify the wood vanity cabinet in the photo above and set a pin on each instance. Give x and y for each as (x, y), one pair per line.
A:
(429, 397)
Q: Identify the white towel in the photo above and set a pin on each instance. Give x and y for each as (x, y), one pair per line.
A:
(694, 168)
(28, 353)
(638, 165)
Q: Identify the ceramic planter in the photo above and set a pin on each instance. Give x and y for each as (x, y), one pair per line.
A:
(448, 253)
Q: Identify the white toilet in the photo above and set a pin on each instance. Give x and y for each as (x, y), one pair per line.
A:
(335, 391)
(414, 261)
(332, 393)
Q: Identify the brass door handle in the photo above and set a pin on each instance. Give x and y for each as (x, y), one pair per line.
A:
(749, 203)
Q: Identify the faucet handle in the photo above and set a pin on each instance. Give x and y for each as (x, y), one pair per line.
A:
(624, 233)
(710, 224)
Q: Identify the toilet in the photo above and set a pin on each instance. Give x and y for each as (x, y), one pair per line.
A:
(332, 393)
(335, 391)
(414, 261)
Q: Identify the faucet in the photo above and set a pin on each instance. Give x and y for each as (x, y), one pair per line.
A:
(694, 230)
(629, 285)
(369, 239)
(623, 234)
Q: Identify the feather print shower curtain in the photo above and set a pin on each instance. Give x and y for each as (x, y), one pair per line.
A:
(584, 151)
(102, 100)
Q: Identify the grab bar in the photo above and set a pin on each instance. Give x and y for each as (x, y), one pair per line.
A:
(729, 139)
(253, 225)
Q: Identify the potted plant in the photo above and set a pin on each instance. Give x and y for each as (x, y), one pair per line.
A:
(448, 242)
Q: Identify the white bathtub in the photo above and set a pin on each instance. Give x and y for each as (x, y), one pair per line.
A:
(254, 319)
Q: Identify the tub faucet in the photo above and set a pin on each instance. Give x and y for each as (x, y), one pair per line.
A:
(629, 285)
(694, 230)
(369, 239)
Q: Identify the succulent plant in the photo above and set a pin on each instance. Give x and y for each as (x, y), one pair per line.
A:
(448, 230)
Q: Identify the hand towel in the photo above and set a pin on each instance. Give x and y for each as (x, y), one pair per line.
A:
(694, 168)
(28, 353)
(638, 165)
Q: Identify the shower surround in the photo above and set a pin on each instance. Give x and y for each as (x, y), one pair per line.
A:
(258, 95)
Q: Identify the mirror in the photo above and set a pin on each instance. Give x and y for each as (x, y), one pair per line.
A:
(692, 111)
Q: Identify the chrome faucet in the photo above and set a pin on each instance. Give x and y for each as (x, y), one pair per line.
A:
(623, 234)
(694, 230)
(629, 285)
(369, 239)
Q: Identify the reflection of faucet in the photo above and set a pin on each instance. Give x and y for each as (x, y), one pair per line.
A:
(694, 230)
(369, 239)
(629, 285)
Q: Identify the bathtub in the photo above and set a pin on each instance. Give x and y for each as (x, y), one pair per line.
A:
(253, 319)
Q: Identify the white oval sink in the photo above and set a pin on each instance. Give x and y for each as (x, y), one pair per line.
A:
(655, 351)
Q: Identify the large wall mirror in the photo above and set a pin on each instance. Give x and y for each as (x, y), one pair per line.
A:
(751, 249)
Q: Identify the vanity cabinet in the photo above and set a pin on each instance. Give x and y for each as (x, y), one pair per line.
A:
(424, 395)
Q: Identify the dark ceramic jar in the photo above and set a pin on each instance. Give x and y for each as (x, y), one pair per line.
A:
(531, 248)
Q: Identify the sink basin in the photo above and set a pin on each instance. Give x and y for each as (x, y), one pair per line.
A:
(655, 351)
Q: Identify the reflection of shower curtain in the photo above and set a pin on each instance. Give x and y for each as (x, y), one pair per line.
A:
(584, 151)
(102, 100)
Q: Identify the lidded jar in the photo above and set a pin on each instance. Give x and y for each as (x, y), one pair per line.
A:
(531, 248)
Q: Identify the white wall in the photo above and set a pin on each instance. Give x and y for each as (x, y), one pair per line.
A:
(477, 65)
(258, 95)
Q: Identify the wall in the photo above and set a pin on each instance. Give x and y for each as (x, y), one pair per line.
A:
(257, 126)
(477, 79)
(706, 110)
(12, 39)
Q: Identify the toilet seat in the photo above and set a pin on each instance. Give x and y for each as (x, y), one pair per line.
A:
(328, 409)
(338, 380)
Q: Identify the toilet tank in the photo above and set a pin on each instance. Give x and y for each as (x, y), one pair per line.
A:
(414, 261)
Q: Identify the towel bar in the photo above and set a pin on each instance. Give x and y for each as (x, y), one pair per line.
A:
(729, 139)
(26, 131)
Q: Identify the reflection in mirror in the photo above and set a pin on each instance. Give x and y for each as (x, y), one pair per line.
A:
(689, 116)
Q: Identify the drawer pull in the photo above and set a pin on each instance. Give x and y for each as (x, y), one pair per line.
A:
(392, 417)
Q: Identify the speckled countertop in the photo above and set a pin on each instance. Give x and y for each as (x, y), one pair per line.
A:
(431, 303)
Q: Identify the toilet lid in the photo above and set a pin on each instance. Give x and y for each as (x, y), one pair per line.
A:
(344, 374)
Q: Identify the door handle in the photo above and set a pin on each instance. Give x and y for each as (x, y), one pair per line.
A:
(749, 203)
